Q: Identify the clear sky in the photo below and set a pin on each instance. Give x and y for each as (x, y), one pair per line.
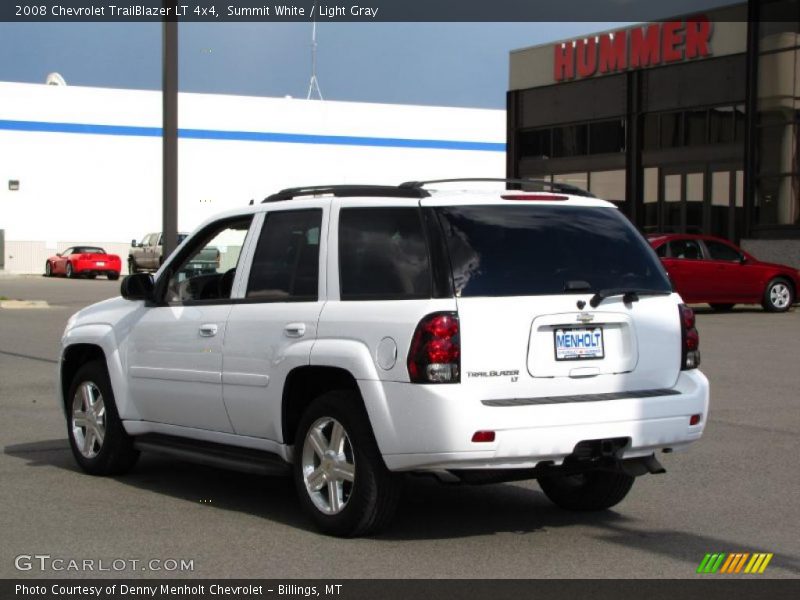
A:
(455, 64)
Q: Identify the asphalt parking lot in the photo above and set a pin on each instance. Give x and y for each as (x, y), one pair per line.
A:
(737, 490)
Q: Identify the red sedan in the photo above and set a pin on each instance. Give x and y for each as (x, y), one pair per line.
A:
(89, 261)
(712, 270)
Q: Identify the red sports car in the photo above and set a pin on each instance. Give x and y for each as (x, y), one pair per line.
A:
(90, 261)
(712, 270)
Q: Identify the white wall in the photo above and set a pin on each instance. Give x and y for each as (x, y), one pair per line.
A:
(107, 188)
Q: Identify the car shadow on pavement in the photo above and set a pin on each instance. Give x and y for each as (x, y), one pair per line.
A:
(429, 510)
(270, 498)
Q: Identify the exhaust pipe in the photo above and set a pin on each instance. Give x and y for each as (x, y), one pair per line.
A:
(636, 467)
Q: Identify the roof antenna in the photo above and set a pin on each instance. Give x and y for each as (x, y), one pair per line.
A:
(314, 84)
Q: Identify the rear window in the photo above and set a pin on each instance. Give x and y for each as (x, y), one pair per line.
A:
(537, 250)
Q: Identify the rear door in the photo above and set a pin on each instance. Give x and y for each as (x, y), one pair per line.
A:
(273, 323)
(689, 271)
(524, 275)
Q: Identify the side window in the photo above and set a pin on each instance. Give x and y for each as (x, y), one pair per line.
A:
(686, 249)
(383, 254)
(208, 270)
(67, 252)
(719, 251)
(661, 251)
(286, 261)
(150, 239)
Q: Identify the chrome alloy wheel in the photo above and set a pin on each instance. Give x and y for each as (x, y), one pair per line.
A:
(88, 419)
(780, 295)
(328, 465)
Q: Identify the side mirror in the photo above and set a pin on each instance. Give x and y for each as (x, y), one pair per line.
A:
(138, 286)
(134, 244)
(58, 253)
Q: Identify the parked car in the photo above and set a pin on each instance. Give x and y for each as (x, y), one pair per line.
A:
(364, 332)
(84, 261)
(147, 255)
(711, 270)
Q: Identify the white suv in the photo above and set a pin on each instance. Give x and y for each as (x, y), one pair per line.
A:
(354, 333)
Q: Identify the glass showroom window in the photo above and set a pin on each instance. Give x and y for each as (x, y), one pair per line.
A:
(776, 200)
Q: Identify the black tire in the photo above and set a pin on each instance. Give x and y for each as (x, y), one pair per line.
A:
(371, 499)
(132, 269)
(92, 276)
(115, 454)
(779, 295)
(722, 307)
(48, 269)
(595, 490)
(70, 273)
(112, 275)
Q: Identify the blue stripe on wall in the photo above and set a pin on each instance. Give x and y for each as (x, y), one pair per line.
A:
(250, 136)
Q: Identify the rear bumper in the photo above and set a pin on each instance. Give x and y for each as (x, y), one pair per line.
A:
(91, 269)
(431, 428)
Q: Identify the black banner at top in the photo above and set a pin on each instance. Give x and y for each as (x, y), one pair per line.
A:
(349, 10)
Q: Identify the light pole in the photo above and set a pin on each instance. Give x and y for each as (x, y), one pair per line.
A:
(169, 92)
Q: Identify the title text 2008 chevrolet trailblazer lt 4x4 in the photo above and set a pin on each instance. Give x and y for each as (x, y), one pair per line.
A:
(354, 333)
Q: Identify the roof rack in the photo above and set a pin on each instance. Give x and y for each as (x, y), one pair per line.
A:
(342, 191)
(564, 188)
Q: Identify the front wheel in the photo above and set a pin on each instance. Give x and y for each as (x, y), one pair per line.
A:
(98, 441)
(594, 490)
(48, 269)
(339, 473)
(778, 296)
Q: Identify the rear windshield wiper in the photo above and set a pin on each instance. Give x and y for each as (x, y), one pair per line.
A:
(628, 295)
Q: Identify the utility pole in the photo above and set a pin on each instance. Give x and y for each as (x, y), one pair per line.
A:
(169, 92)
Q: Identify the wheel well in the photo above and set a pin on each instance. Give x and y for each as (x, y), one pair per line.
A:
(74, 358)
(303, 385)
(788, 281)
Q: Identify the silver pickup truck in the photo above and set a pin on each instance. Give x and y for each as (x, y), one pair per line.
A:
(147, 255)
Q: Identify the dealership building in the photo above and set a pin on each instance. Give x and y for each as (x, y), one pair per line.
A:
(688, 125)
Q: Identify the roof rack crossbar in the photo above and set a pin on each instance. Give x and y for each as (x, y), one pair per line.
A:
(342, 191)
(564, 188)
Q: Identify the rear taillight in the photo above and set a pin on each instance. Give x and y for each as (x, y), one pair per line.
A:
(435, 353)
(690, 339)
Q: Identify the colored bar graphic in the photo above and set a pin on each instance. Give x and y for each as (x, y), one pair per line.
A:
(723, 563)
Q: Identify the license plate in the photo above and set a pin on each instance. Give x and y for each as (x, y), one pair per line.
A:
(100, 263)
(578, 343)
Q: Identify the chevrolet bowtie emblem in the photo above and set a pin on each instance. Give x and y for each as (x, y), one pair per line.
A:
(585, 317)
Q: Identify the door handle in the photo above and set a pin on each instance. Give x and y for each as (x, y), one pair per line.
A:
(295, 330)
(208, 330)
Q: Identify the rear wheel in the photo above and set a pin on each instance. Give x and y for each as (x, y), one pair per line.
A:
(70, 272)
(722, 307)
(594, 490)
(342, 481)
(778, 296)
(112, 275)
(96, 436)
